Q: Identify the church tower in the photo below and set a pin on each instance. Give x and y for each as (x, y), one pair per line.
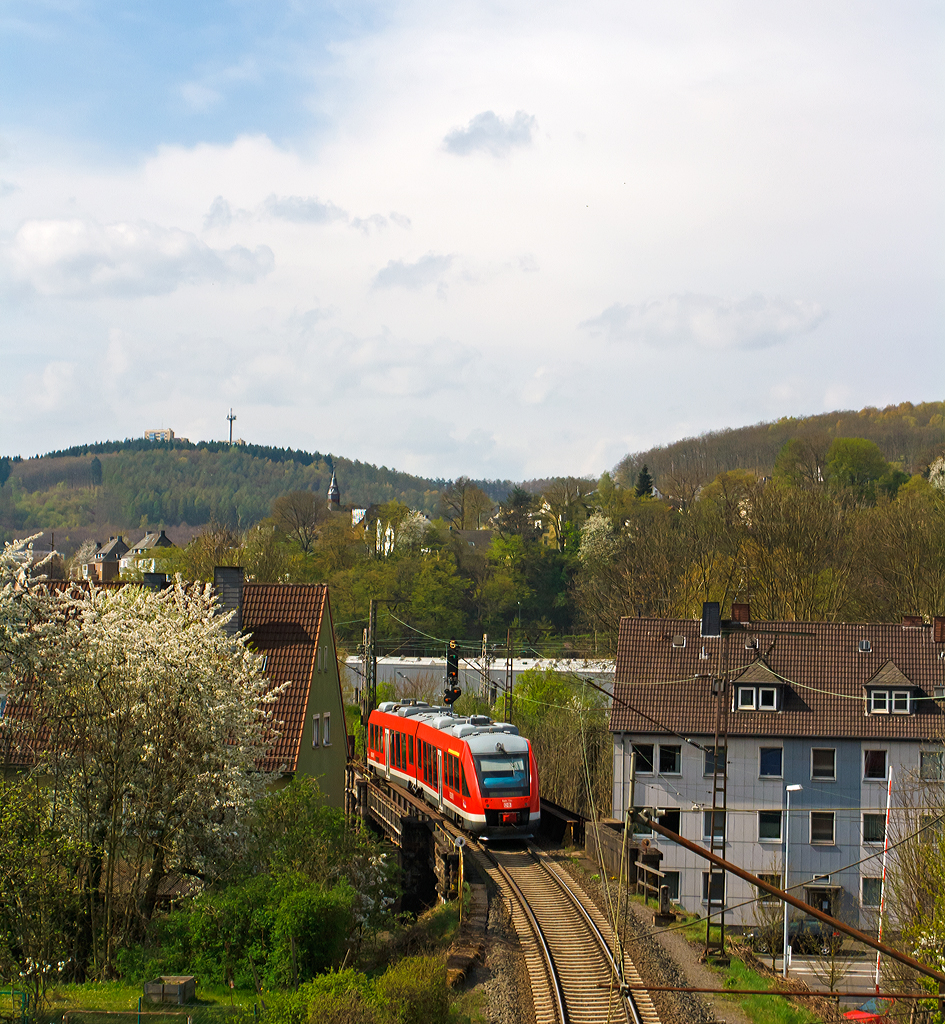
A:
(334, 495)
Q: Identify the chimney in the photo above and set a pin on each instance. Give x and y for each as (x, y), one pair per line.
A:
(228, 583)
(711, 619)
(938, 629)
(741, 612)
(912, 621)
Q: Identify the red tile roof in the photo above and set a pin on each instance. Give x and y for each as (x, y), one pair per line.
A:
(668, 687)
(284, 621)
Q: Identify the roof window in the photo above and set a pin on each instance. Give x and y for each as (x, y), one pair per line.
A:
(864, 646)
(679, 641)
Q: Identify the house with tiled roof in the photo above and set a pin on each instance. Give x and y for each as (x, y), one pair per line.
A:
(840, 710)
(105, 564)
(290, 625)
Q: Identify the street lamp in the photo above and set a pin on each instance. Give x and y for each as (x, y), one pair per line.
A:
(787, 828)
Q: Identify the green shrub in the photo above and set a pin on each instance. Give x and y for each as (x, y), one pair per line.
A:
(414, 991)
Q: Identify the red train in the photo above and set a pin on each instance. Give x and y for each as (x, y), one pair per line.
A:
(476, 771)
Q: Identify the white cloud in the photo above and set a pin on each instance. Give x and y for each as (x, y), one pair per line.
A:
(489, 133)
(84, 259)
(200, 97)
(709, 322)
(416, 275)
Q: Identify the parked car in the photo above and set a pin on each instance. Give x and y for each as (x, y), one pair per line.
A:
(872, 1011)
(806, 936)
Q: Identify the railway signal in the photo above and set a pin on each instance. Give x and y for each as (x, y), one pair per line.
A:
(452, 692)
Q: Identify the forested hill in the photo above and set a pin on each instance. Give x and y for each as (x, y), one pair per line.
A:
(908, 435)
(127, 484)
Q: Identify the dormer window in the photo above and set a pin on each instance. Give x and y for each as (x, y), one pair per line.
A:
(885, 702)
(757, 698)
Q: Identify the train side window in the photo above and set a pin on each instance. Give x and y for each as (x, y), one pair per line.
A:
(410, 749)
(462, 768)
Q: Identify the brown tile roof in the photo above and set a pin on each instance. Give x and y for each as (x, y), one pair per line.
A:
(284, 620)
(824, 670)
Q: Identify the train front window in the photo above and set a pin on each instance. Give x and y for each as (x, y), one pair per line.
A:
(502, 774)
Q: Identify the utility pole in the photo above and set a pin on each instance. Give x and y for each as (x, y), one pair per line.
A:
(370, 664)
(508, 676)
(231, 417)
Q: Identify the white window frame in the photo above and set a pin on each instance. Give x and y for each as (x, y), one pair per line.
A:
(706, 883)
(769, 839)
(876, 778)
(780, 774)
(706, 771)
(879, 702)
(937, 758)
(670, 746)
(873, 814)
(823, 778)
(652, 768)
(749, 704)
(904, 699)
(326, 729)
(773, 691)
(316, 728)
(707, 817)
(872, 878)
(833, 829)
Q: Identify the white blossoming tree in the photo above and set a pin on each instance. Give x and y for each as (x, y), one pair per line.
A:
(149, 722)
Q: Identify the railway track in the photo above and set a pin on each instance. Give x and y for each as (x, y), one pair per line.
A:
(566, 940)
(567, 943)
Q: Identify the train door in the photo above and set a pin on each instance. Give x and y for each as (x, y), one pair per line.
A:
(387, 752)
(439, 779)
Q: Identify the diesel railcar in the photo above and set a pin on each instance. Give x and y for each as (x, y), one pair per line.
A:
(478, 772)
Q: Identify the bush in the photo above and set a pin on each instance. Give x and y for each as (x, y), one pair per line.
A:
(414, 991)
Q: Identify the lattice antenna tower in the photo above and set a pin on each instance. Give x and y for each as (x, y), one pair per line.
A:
(231, 417)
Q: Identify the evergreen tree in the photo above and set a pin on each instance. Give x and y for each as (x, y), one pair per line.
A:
(644, 485)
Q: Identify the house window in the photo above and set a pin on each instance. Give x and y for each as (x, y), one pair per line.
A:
(874, 828)
(763, 895)
(644, 752)
(670, 760)
(767, 698)
(872, 891)
(822, 828)
(326, 736)
(671, 880)
(714, 759)
(930, 765)
(770, 763)
(717, 826)
(769, 826)
(900, 702)
(879, 702)
(316, 723)
(874, 765)
(932, 826)
(746, 698)
(823, 763)
(713, 885)
(670, 819)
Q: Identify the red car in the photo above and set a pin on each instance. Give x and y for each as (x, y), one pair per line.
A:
(872, 1011)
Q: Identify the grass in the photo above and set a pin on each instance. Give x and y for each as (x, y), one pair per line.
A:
(763, 1009)
(121, 996)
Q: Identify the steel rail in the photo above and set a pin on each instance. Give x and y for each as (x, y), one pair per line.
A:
(578, 903)
(557, 989)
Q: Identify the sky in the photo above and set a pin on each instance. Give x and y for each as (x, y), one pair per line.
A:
(502, 240)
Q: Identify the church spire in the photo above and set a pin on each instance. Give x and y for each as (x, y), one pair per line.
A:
(334, 495)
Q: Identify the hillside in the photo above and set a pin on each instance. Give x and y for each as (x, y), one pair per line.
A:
(908, 435)
(122, 486)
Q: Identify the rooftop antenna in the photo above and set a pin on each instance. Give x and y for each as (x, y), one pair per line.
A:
(231, 417)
